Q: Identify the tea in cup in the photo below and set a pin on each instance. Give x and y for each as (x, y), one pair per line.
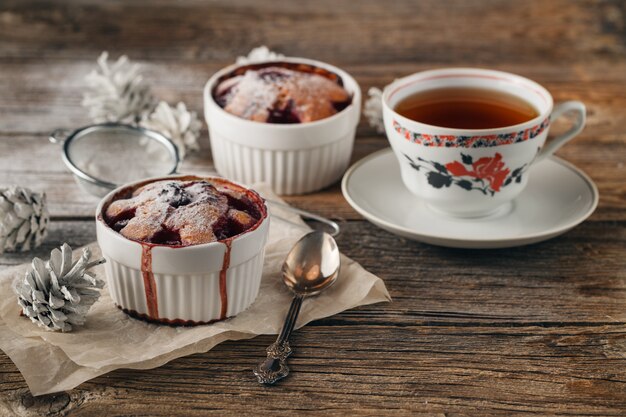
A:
(466, 139)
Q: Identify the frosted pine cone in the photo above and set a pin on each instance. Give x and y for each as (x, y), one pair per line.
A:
(23, 219)
(58, 294)
(259, 54)
(117, 93)
(178, 124)
(373, 109)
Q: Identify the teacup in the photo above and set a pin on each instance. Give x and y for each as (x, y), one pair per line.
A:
(473, 172)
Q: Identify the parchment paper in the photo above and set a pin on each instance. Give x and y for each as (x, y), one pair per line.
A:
(52, 361)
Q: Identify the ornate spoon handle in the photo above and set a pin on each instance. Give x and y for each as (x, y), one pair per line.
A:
(274, 367)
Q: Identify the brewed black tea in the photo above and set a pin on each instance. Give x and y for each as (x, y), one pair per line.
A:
(466, 108)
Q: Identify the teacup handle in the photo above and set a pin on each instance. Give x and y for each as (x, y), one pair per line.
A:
(560, 109)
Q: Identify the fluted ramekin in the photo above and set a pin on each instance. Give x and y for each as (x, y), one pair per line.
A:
(184, 284)
(292, 158)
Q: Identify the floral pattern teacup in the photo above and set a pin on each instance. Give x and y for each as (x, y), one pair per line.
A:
(472, 172)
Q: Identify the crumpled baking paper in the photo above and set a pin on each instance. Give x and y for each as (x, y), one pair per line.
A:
(52, 361)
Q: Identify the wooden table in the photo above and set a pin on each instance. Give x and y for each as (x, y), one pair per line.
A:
(538, 329)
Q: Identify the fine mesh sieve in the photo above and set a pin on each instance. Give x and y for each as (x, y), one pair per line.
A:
(105, 156)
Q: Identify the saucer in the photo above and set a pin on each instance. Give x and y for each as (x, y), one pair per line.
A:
(558, 197)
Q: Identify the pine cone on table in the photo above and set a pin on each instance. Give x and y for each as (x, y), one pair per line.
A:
(23, 219)
(117, 92)
(373, 109)
(58, 294)
(176, 123)
(259, 54)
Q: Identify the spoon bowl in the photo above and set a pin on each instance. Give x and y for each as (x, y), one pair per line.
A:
(312, 265)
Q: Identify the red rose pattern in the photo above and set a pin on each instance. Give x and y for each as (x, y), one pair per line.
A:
(487, 174)
(492, 170)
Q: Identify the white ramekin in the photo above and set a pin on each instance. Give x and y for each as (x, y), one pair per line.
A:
(293, 158)
(185, 280)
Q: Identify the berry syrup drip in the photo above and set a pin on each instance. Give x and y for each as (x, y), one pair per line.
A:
(223, 286)
(148, 281)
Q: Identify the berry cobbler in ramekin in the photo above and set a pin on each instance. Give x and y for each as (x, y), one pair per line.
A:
(183, 249)
(289, 123)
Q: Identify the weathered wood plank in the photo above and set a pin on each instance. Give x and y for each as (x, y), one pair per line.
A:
(443, 371)
(450, 31)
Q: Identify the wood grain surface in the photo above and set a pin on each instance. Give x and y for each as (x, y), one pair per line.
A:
(531, 330)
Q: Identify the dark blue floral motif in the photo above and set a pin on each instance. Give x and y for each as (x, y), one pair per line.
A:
(438, 180)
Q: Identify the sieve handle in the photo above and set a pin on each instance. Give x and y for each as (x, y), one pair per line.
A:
(334, 227)
(59, 135)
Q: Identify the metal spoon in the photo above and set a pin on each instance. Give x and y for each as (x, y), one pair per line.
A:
(311, 266)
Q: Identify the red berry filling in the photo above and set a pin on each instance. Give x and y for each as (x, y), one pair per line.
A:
(282, 92)
(182, 213)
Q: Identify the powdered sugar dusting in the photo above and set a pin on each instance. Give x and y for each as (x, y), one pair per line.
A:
(277, 94)
(178, 212)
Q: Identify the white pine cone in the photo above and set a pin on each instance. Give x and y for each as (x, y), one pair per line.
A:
(58, 294)
(373, 109)
(176, 123)
(23, 219)
(117, 93)
(259, 54)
